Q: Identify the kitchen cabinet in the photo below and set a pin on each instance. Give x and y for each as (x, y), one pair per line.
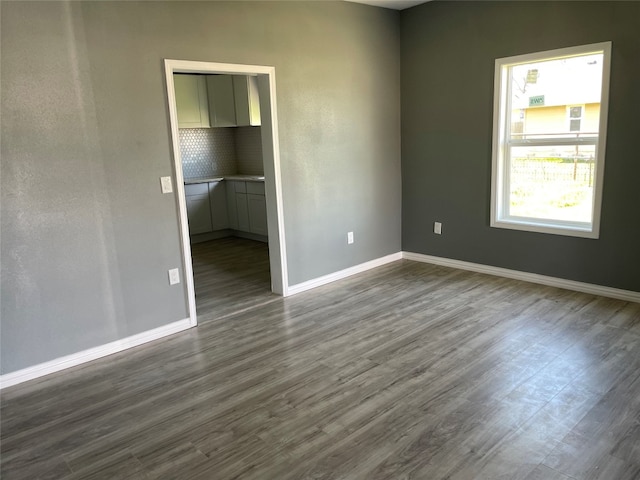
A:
(222, 109)
(242, 208)
(257, 208)
(247, 207)
(191, 101)
(206, 207)
(218, 204)
(198, 208)
(232, 211)
(205, 101)
(247, 100)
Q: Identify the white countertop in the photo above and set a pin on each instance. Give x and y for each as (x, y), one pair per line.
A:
(245, 178)
(241, 178)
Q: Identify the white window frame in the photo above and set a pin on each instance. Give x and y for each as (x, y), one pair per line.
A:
(500, 193)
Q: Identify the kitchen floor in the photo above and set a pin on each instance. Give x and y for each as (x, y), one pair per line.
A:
(230, 275)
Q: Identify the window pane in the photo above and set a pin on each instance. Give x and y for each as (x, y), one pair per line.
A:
(543, 97)
(552, 182)
(574, 125)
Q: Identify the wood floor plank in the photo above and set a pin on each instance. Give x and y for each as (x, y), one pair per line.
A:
(584, 458)
(542, 472)
(406, 371)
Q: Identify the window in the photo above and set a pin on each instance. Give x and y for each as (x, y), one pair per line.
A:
(575, 118)
(550, 117)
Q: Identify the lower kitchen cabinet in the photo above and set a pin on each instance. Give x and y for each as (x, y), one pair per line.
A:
(247, 207)
(232, 204)
(232, 211)
(198, 208)
(257, 207)
(243, 212)
(218, 204)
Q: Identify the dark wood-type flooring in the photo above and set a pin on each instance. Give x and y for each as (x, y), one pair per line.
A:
(408, 371)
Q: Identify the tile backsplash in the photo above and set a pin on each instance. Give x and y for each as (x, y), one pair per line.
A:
(209, 152)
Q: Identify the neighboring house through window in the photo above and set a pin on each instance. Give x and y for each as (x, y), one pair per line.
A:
(549, 140)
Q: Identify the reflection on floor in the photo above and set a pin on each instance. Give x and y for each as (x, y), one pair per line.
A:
(230, 275)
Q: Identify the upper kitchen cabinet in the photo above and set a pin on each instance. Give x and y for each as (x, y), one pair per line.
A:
(205, 101)
(191, 101)
(247, 101)
(222, 109)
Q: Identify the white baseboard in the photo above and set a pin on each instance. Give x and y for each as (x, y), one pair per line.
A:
(347, 272)
(52, 366)
(628, 295)
(42, 369)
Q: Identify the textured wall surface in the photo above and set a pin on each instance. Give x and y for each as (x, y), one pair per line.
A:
(87, 237)
(448, 54)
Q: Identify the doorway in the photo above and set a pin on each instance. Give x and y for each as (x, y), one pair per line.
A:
(271, 160)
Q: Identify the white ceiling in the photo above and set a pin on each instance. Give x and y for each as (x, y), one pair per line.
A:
(395, 4)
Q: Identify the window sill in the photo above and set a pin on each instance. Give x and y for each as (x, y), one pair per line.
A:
(586, 231)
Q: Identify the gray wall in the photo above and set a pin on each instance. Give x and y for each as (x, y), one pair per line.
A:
(87, 238)
(448, 53)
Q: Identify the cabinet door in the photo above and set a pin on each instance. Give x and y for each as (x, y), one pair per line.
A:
(255, 188)
(199, 213)
(243, 212)
(222, 109)
(232, 209)
(218, 201)
(247, 101)
(257, 213)
(191, 101)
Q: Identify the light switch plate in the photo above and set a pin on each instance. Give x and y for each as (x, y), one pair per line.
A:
(174, 276)
(437, 228)
(349, 238)
(166, 184)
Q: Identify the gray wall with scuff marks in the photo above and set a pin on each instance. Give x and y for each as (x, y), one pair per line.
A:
(448, 54)
(87, 238)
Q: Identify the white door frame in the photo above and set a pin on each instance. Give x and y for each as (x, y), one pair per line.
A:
(271, 159)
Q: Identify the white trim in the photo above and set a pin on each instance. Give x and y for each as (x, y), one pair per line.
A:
(75, 359)
(273, 178)
(575, 51)
(182, 204)
(565, 141)
(275, 208)
(598, 184)
(528, 225)
(627, 295)
(347, 272)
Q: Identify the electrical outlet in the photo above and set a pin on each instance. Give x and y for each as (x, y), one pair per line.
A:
(174, 276)
(349, 238)
(437, 228)
(165, 183)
